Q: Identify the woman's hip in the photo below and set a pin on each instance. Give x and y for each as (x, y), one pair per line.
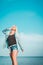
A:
(13, 47)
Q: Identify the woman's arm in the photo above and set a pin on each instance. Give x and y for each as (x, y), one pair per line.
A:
(6, 36)
(20, 45)
(5, 30)
(19, 41)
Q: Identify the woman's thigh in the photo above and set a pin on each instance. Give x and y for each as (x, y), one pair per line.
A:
(14, 53)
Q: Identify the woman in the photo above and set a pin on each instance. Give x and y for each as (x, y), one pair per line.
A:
(12, 38)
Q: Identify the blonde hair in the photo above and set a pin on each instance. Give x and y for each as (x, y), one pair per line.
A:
(14, 27)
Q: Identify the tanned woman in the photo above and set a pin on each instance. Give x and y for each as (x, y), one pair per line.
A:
(11, 40)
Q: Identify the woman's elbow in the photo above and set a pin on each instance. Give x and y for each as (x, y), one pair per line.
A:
(3, 32)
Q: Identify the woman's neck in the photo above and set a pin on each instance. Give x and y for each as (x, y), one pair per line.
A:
(12, 33)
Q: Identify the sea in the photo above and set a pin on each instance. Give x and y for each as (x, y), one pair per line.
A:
(27, 60)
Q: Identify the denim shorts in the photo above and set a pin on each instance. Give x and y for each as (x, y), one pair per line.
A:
(14, 47)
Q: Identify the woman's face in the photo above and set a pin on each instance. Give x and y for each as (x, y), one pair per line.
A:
(13, 29)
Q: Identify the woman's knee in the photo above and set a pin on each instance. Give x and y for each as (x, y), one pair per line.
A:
(14, 54)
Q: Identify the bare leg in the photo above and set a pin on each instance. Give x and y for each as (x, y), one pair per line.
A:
(13, 56)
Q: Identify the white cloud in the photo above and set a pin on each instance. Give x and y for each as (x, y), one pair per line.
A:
(32, 44)
(31, 37)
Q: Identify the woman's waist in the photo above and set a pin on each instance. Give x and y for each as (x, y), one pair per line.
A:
(13, 45)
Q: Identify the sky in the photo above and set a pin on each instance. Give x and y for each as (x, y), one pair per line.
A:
(27, 15)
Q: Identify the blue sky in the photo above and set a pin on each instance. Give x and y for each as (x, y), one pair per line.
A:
(27, 15)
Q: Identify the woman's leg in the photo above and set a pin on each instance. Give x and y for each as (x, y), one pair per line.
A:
(13, 56)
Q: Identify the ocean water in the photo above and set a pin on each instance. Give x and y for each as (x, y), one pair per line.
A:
(5, 60)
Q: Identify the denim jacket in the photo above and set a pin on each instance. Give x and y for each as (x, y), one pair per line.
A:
(6, 32)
